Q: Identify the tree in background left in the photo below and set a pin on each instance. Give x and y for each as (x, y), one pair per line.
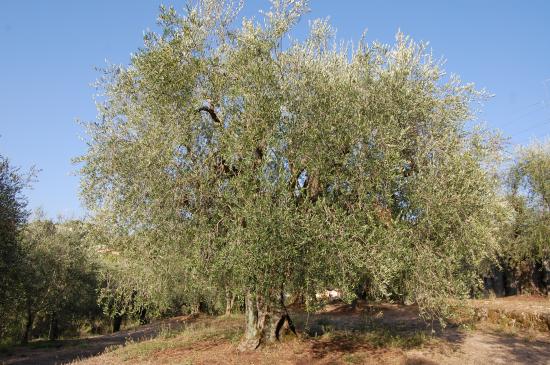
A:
(13, 215)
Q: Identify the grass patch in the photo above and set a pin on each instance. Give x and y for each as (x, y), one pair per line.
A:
(382, 338)
(354, 359)
(367, 332)
(386, 338)
(205, 329)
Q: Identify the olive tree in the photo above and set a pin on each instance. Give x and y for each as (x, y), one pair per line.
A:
(526, 236)
(142, 284)
(272, 171)
(58, 277)
(13, 215)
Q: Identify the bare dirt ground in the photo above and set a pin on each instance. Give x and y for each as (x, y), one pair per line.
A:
(340, 334)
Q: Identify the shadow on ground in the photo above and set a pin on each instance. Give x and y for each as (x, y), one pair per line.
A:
(66, 351)
(339, 334)
(344, 328)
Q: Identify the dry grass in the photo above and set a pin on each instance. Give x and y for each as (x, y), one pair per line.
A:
(211, 340)
(201, 331)
(340, 334)
(531, 313)
(369, 334)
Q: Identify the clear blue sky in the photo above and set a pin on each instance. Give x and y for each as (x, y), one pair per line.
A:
(48, 50)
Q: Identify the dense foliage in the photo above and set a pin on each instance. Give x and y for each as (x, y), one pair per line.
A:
(230, 162)
(526, 234)
(233, 167)
(13, 215)
(54, 291)
(60, 278)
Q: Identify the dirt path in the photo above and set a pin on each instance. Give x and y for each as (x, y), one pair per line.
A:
(486, 348)
(66, 351)
(490, 343)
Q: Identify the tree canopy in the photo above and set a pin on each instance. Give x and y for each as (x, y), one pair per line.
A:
(13, 215)
(58, 276)
(526, 233)
(225, 157)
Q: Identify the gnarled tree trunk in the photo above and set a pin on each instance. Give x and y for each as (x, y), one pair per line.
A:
(229, 301)
(266, 321)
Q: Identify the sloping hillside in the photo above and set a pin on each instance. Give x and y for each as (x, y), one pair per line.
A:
(340, 334)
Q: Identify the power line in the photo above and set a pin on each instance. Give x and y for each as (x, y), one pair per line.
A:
(526, 111)
(533, 126)
(541, 105)
(545, 83)
(527, 107)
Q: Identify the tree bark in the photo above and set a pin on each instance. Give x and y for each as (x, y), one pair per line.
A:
(229, 302)
(266, 321)
(143, 316)
(498, 282)
(53, 333)
(117, 321)
(546, 276)
(510, 282)
(28, 326)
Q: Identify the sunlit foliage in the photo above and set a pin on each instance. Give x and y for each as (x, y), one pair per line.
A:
(231, 156)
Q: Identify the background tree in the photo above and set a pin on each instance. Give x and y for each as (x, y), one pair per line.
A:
(13, 215)
(140, 285)
(59, 278)
(526, 236)
(274, 171)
